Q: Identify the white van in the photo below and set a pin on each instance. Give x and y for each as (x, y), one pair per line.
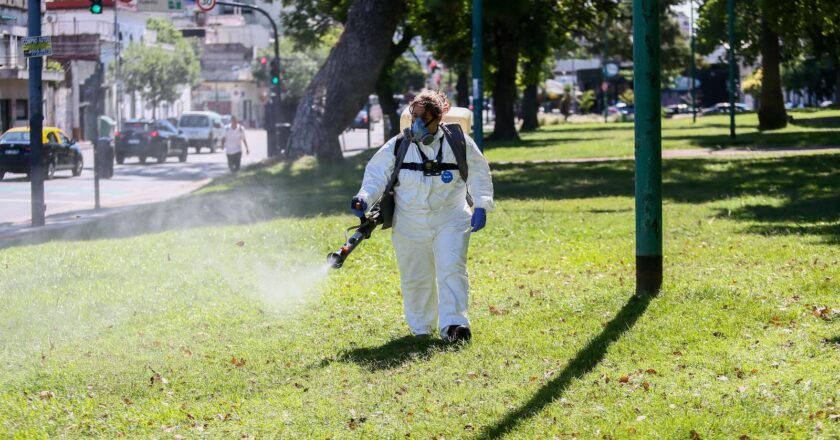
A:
(202, 129)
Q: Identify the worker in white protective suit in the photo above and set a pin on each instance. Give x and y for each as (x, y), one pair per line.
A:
(432, 219)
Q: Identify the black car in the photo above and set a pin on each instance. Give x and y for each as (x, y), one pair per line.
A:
(361, 120)
(59, 152)
(149, 138)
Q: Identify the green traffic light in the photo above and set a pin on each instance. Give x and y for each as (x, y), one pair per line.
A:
(275, 80)
(96, 9)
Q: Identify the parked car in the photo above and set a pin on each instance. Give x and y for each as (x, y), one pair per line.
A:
(723, 107)
(149, 138)
(59, 152)
(361, 120)
(202, 129)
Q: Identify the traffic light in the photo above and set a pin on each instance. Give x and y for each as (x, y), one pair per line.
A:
(95, 6)
(263, 61)
(275, 71)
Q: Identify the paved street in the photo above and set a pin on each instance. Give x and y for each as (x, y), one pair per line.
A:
(134, 183)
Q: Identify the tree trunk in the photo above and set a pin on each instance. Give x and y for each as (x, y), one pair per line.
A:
(462, 87)
(771, 114)
(385, 91)
(504, 85)
(530, 108)
(342, 85)
(837, 81)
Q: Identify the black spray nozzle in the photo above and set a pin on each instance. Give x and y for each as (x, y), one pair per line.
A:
(335, 260)
(363, 231)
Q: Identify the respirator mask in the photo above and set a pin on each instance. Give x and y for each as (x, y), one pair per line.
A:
(419, 132)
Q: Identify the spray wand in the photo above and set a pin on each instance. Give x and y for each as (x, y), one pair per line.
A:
(363, 231)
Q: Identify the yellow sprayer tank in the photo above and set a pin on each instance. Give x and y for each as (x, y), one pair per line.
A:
(461, 115)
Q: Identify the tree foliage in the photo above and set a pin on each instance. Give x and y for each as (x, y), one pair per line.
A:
(158, 72)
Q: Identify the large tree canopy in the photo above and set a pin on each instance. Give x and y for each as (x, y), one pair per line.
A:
(157, 72)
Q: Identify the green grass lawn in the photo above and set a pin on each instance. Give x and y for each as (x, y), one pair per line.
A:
(210, 316)
(566, 141)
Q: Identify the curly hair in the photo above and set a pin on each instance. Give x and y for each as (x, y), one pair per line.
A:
(434, 102)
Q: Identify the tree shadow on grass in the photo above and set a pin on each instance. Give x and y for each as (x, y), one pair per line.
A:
(396, 352)
(804, 188)
(762, 141)
(823, 122)
(555, 138)
(806, 185)
(584, 361)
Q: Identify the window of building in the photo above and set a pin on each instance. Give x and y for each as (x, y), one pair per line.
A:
(21, 110)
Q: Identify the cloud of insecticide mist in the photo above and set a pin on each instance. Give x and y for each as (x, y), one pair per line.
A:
(182, 245)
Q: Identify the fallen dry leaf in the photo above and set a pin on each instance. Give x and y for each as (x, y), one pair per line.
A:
(354, 423)
(240, 243)
(238, 362)
(650, 371)
(624, 379)
(695, 435)
(46, 395)
(645, 385)
(496, 312)
(532, 378)
(825, 313)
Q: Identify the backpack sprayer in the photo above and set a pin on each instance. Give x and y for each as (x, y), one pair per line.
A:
(363, 231)
(382, 212)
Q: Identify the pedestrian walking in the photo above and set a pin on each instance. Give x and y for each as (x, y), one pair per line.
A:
(234, 139)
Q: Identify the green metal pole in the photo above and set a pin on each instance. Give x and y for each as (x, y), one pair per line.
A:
(693, 69)
(478, 73)
(646, 83)
(732, 67)
(604, 90)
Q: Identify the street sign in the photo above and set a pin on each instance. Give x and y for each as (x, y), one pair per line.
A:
(205, 5)
(160, 5)
(611, 70)
(36, 47)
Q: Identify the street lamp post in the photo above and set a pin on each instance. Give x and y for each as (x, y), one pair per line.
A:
(693, 71)
(281, 136)
(732, 67)
(36, 119)
(648, 140)
(478, 72)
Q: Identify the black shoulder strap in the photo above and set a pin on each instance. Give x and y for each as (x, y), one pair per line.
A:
(455, 137)
(401, 145)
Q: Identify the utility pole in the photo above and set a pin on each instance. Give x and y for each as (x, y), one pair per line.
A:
(118, 61)
(732, 67)
(478, 73)
(693, 73)
(97, 111)
(276, 123)
(648, 140)
(36, 119)
(604, 84)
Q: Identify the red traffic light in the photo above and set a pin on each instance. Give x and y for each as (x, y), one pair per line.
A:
(263, 60)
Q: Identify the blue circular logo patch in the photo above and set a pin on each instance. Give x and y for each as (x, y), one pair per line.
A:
(446, 176)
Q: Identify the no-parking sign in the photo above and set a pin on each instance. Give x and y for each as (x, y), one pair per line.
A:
(206, 5)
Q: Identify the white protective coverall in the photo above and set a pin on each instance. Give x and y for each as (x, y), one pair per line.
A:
(431, 229)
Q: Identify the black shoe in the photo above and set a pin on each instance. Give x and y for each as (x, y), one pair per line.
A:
(456, 333)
